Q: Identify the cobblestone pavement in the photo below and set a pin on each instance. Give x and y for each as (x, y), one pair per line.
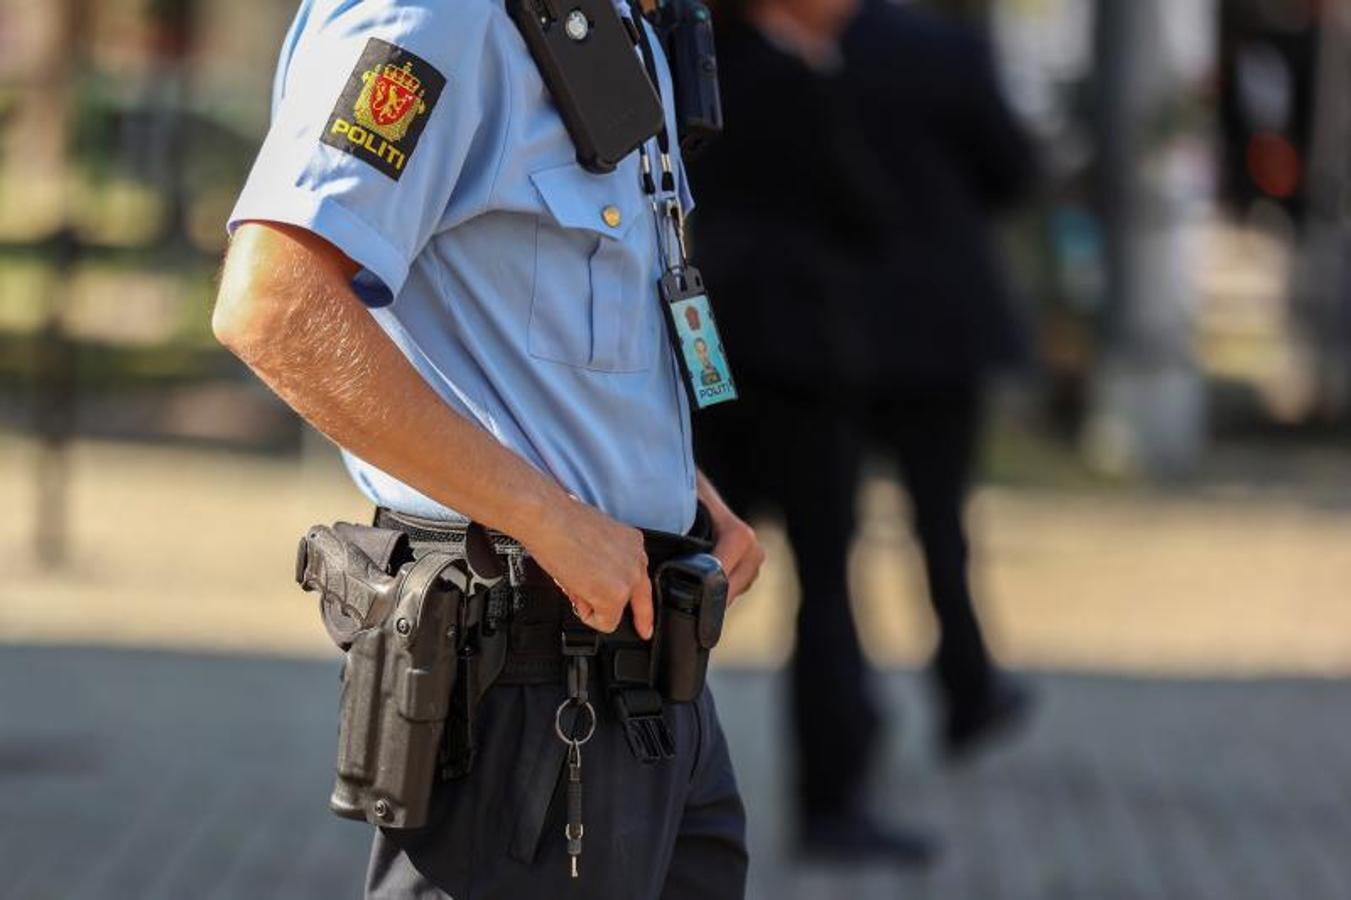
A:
(132, 774)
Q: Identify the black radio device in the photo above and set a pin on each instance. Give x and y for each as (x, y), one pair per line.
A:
(686, 28)
(585, 54)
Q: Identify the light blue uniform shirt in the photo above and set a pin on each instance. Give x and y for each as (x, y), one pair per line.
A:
(494, 261)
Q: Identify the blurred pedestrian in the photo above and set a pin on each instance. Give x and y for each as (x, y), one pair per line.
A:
(845, 216)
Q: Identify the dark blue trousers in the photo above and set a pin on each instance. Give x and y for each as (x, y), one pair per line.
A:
(674, 830)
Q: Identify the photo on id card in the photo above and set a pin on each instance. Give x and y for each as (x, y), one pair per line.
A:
(701, 348)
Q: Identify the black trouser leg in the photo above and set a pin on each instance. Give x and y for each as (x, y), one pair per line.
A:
(935, 434)
(674, 830)
(801, 453)
(833, 712)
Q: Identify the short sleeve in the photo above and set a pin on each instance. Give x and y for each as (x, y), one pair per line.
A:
(383, 114)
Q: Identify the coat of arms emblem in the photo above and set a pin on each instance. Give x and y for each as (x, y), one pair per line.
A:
(390, 100)
(384, 107)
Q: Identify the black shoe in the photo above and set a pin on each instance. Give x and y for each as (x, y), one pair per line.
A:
(1003, 709)
(856, 837)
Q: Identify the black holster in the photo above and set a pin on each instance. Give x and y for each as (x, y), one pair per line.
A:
(396, 691)
(412, 638)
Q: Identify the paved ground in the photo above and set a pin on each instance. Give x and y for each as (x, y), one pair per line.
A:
(146, 775)
(1134, 786)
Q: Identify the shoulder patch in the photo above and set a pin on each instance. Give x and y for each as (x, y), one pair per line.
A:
(384, 108)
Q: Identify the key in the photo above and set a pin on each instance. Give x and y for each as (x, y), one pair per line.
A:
(574, 737)
(574, 830)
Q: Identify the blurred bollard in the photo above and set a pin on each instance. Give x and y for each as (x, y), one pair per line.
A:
(1146, 420)
(1149, 407)
(54, 400)
(168, 94)
(55, 381)
(1322, 281)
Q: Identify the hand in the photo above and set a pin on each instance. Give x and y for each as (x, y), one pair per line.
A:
(600, 564)
(735, 543)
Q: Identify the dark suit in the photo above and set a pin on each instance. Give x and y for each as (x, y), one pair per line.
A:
(843, 230)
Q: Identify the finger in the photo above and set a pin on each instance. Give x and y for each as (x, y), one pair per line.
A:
(583, 610)
(753, 571)
(641, 601)
(740, 580)
(596, 617)
(733, 552)
(603, 623)
(727, 550)
(580, 608)
(737, 582)
(747, 570)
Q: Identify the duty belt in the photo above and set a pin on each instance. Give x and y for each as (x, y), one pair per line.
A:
(527, 602)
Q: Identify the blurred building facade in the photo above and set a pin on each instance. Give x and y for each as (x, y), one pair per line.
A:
(125, 128)
(1186, 266)
(1193, 278)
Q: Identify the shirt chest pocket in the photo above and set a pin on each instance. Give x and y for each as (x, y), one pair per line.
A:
(594, 303)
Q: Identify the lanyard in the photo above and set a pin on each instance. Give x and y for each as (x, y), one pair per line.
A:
(664, 135)
(669, 214)
(689, 316)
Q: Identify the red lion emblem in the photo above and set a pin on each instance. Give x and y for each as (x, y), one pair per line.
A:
(390, 102)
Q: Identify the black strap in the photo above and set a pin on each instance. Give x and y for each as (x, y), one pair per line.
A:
(664, 135)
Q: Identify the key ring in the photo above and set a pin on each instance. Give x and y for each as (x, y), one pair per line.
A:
(558, 722)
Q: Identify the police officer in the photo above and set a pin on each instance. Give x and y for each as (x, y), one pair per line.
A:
(422, 270)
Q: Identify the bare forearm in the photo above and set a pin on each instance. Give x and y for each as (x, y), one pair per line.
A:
(324, 355)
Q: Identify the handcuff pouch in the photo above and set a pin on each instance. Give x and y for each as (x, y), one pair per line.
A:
(691, 595)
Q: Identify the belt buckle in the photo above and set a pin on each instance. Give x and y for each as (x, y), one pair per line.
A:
(580, 641)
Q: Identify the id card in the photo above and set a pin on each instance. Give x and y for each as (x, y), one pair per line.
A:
(697, 342)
